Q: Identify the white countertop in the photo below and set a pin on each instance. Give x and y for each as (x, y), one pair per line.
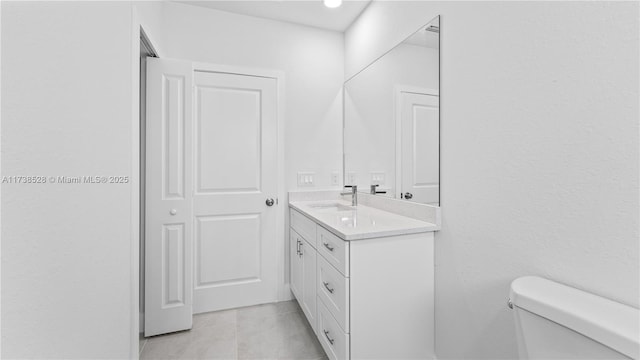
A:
(360, 222)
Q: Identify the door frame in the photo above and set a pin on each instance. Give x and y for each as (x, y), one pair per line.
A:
(397, 91)
(279, 76)
(140, 29)
(149, 51)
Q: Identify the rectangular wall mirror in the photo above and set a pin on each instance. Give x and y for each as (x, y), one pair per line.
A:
(392, 121)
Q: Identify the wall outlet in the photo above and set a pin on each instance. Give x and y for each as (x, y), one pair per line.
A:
(335, 178)
(305, 179)
(377, 178)
(351, 178)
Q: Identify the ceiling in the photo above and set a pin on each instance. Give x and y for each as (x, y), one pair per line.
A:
(303, 12)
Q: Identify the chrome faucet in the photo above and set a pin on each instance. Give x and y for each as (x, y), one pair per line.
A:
(374, 190)
(353, 193)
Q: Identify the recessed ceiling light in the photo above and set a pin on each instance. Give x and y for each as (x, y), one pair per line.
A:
(332, 3)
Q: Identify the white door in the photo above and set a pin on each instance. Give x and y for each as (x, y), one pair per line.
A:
(211, 167)
(420, 147)
(235, 170)
(168, 217)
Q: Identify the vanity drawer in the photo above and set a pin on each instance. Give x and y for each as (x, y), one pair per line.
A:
(334, 341)
(333, 290)
(334, 250)
(303, 226)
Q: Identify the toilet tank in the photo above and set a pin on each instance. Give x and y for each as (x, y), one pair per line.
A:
(555, 321)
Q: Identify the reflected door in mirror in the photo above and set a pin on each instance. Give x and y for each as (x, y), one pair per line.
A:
(419, 144)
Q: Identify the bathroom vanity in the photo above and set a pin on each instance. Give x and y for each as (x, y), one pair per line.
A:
(364, 275)
(364, 278)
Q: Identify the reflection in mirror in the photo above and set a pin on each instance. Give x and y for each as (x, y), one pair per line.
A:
(392, 121)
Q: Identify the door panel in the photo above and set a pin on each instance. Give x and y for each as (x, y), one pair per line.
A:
(228, 122)
(173, 262)
(233, 258)
(235, 150)
(425, 145)
(173, 124)
(420, 147)
(168, 280)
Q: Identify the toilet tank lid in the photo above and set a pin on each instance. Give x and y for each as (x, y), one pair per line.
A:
(608, 322)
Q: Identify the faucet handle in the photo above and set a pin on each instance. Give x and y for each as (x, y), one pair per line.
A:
(350, 191)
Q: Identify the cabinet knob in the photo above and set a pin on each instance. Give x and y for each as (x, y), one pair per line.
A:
(173, 211)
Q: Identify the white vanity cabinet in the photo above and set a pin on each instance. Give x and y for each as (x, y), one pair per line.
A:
(302, 255)
(374, 296)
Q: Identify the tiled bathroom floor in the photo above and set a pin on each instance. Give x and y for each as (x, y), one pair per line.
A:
(271, 331)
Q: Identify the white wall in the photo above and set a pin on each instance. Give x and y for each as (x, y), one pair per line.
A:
(312, 60)
(68, 108)
(539, 161)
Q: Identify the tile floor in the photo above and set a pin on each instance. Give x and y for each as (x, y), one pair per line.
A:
(271, 331)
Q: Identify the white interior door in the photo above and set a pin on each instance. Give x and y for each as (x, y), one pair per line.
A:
(168, 188)
(235, 169)
(420, 148)
(211, 166)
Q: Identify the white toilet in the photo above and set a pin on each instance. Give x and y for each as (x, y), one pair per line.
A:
(555, 321)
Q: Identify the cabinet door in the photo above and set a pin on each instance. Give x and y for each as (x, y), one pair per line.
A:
(308, 302)
(295, 265)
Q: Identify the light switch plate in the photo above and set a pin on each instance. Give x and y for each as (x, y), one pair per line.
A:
(305, 179)
(377, 178)
(351, 178)
(335, 178)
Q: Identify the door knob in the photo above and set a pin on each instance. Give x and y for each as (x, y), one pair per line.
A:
(269, 202)
(408, 195)
(173, 211)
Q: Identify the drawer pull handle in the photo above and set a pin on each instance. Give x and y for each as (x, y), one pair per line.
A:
(326, 286)
(326, 334)
(328, 246)
(300, 251)
(297, 246)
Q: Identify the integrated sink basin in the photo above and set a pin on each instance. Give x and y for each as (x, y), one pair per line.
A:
(331, 207)
(358, 222)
